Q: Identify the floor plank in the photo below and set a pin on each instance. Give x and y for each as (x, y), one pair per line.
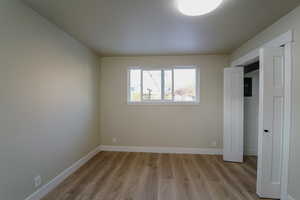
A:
(148, 176)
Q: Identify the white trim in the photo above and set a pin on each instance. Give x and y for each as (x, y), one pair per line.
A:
(260, 127)
(254, 54)
(246, 59)
(287, 119)
(285, 39)
(164, 103)
(45, 189)
(289, 198)
(175, 150)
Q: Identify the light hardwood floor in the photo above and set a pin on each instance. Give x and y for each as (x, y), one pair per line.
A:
(147, 176)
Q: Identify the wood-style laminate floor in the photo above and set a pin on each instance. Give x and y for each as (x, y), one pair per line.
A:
(147, 176)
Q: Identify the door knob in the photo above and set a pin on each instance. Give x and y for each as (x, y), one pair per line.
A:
(266, 131)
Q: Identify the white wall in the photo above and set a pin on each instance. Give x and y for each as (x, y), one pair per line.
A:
(48, 100)
(290, 21)
(196, 126)
(251, 105)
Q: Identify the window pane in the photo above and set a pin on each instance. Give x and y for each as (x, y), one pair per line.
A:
(185, 84)
(168, 84)
(135, 85)
(152, 85)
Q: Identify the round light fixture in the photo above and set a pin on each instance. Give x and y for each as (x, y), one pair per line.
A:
(197, 7)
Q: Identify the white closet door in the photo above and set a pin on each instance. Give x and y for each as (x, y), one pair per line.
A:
(271, 122)
(233, 114)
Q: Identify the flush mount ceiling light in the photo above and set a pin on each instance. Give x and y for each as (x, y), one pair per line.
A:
(197, 7)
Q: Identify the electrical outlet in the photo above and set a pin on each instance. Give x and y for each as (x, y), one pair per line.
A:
(37, 181)
(114, 140)
(214, 144)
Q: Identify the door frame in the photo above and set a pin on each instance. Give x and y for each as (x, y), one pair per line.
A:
(285, 40)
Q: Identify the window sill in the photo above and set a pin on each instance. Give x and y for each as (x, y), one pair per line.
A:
(163, 103)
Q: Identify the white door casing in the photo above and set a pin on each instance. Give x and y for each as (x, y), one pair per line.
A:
(233, 114)
(271, 122)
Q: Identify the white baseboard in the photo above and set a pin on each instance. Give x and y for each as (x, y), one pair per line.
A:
(176, 150)
(45, 189)
(290, 198)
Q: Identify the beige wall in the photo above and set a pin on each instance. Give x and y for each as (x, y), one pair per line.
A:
(48, 100)
(164, 126)
(290, 21)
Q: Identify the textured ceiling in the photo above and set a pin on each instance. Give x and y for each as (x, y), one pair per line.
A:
(155, 27)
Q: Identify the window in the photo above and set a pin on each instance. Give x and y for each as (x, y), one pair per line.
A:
(166, 85)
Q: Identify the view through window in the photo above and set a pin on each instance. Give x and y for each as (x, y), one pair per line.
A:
(178, 84)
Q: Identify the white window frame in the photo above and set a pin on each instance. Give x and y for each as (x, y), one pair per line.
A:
(163, 102)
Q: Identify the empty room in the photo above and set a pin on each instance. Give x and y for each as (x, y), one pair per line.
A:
(149, 99)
